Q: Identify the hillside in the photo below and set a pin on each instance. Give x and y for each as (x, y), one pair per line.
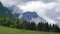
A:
(7, 30)
(5, 12)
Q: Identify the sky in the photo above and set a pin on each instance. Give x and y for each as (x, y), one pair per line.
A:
(47, 9)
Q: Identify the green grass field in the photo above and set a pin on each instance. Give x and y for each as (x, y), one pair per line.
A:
(7, 30)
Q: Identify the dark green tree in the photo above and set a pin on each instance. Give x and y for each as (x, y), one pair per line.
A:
(32, 26)
(39, 26)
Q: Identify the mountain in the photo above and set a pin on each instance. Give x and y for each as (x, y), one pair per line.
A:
(5, 12)
(29, 16)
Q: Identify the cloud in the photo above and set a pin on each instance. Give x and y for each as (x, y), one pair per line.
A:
(14, 2)
(7, 2)
(17, 10)
(39, 7)
(58, 18)
(58, 6)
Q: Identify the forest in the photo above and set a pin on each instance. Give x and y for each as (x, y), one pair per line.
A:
(23, 24)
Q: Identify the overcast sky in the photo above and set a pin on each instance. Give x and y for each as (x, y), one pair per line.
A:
(47, 9)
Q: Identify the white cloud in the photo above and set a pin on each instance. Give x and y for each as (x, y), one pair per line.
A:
(58, 17)
(36, 5)
(39, 7)
(8, 2)
(57, 6)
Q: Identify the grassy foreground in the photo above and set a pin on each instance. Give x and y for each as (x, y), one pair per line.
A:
(6, 30)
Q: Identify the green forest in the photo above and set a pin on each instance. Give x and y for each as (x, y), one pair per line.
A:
(22, 24)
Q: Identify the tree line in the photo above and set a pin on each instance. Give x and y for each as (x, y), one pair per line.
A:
(19, 24)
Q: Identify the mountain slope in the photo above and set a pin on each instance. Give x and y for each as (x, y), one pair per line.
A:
(5, 12)
(29, 15)
(32, 16)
